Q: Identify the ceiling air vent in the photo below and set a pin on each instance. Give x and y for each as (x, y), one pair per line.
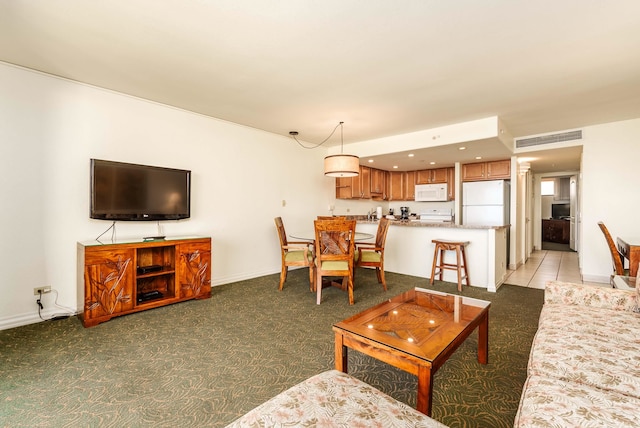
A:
(547, 139)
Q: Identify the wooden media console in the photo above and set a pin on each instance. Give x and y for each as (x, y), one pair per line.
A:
(122, 278)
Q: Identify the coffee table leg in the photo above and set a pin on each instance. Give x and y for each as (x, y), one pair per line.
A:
(341, 354)
(425, 390)
(483, 340)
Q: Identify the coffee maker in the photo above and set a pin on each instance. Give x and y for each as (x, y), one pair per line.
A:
(404, 213)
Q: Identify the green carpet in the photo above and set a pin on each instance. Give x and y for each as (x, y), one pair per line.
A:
(205, 363)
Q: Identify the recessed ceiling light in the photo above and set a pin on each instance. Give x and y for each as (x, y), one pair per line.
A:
(462, 148)
(370, 160)
(432, 163)
(478, 157)
(395, 167)
(411, 155)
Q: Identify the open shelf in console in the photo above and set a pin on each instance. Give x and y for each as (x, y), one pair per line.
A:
(155, 274)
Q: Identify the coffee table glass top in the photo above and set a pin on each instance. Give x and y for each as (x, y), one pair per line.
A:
(419, 322)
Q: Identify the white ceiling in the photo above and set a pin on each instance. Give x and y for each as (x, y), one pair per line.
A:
(384, 67)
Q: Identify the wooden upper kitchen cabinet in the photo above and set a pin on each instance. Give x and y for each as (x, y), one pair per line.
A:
(432, 176)
(365, 182)
(451, 184)
(378, 184)
(344, 188)
(494, 170)
(410, 185)
(355, 187)
(395, 186)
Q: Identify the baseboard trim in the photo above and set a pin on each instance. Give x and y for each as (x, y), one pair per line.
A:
(33, 318)
(244, 277)
(24, 319)
(595, 278)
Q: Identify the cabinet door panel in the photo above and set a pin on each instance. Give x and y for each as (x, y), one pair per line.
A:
(343, 188)
(473, 171)
(451, 184)
(396, 181)
(108, 283)
(365, 182)
(423, 176)
(410, 186)
(439, 175)
(377, 182)
(194, 271)
(499, 169)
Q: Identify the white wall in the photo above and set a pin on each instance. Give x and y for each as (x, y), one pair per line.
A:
(50, 128)
(609, 192)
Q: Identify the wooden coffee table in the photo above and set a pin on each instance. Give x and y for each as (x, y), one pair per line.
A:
(417, 332)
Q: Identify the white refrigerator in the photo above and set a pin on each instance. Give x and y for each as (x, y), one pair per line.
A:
(485, 203)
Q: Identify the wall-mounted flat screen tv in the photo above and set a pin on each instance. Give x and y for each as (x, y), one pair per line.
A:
(125, 191)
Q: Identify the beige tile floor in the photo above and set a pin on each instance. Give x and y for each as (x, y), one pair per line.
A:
(546, 265)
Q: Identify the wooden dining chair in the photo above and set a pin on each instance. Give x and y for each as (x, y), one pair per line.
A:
(294, 253)
(371, 254)
(335, 246)
(616, 258)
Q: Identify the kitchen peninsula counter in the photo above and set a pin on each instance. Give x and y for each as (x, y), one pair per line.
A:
(420, 223)
(409, 250)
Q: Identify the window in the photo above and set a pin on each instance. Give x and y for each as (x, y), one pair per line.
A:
(547, 187)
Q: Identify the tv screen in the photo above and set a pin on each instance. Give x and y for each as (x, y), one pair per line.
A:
(560, 211)
(124, 191)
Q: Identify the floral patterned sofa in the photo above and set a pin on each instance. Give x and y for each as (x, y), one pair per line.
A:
(584, 366)
(334, 399)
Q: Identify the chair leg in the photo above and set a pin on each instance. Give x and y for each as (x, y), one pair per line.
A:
(464, 262)
(433, 265)
(318, 287)
(283, 277)
(345, 282)
(350, 288)
(459, 268)
(381, 277)
(312, 279)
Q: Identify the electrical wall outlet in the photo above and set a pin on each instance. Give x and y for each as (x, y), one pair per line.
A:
(43, 290)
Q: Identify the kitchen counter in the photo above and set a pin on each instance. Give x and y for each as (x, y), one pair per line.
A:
(421, 223)
(409, 250)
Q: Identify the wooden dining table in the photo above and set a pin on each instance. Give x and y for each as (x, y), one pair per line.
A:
(311, 236)
(630, 250)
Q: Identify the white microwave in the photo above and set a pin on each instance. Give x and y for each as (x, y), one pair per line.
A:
(431, 192)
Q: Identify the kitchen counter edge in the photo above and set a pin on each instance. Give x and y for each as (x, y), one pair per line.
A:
(419, 223)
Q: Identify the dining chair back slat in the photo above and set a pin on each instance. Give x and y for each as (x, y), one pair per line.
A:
(335, 246)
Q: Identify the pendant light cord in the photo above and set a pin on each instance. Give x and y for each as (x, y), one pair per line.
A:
(324, 141)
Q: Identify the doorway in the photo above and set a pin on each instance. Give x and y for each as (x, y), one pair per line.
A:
(558, 212)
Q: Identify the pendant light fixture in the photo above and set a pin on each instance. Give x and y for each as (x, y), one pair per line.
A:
(341, 165)
(337, 165)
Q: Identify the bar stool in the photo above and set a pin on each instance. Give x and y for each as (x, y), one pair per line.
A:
(443, 245)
